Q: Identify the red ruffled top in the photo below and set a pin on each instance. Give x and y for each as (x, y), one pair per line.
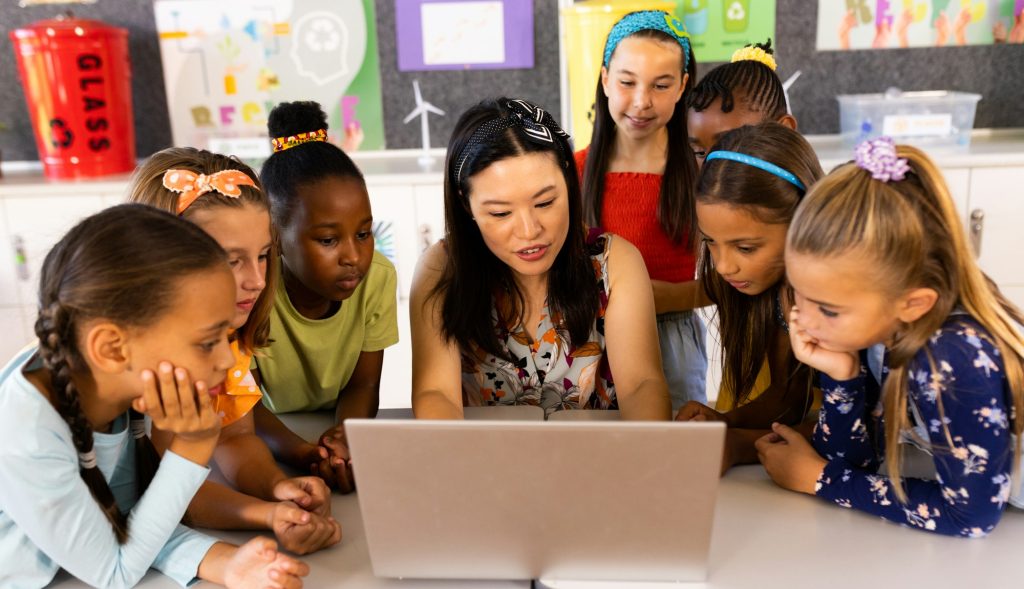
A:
(630, 209)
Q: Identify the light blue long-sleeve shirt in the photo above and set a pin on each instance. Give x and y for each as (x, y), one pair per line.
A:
(48, 518)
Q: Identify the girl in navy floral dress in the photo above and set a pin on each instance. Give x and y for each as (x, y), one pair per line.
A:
(876, 255)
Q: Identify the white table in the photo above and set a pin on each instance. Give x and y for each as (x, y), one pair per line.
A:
(764, 536)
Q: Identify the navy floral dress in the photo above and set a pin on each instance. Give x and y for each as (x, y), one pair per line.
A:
(969, 438)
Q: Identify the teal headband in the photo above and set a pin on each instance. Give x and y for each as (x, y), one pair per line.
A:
(656, 20)
(757, 163)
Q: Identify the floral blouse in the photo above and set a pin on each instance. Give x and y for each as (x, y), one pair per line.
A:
(969, 438)
(547, 369)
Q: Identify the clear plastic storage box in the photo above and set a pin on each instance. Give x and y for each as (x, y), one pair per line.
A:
(930, 120)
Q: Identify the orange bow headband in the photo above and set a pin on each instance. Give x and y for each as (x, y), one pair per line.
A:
(192, 185)
(283, 143)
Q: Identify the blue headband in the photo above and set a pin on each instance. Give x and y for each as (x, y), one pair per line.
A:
(757, 163)
(656, 20)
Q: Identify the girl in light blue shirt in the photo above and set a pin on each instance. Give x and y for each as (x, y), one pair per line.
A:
(127, 332)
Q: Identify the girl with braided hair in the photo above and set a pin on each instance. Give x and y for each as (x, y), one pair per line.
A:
(126, 332)
(518, 305)
(746, 91)
(223, 197)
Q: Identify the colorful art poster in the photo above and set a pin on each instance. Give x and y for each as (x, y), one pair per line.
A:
(719, 27)
(227, 63)
(886, 24)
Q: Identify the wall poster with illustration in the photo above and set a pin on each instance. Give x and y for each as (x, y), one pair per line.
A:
(228, 62)
(719, 27)
(883, 24)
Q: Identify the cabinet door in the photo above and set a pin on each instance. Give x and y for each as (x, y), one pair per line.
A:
(996, 222)
(10, 262)
(38, 222)
(1015, 294)
(959, 182)
(394, 227)
(429, 214)
(15, 327)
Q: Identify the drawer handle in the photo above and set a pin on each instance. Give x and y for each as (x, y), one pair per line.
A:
(20, 258)
(977, 225)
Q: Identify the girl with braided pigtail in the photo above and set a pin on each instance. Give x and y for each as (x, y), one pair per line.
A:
(745, 91)
(126, 333)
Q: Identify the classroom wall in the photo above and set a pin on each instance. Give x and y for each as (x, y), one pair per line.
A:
(997, 72)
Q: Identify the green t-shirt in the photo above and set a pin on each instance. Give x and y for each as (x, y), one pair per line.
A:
(310, 360)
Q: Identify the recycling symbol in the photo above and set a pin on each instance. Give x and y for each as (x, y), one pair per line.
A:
(322, 36)
(735, 12)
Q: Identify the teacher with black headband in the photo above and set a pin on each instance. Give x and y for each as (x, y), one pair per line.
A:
(521, 304)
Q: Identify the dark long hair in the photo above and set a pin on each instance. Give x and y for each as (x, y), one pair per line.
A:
(749, 81)
(122, 265)
(472, 275)
(146, 187)
(747, 323)
(285, 171)
(675, 203)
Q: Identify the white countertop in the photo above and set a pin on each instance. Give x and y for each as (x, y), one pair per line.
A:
(989, 148)
(763, 537)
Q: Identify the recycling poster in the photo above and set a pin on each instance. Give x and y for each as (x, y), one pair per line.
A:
(719, 27)
(227, 63)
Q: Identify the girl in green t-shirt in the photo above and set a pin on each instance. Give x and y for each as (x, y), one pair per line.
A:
(335, 307)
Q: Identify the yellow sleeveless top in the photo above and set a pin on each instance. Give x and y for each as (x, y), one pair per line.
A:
(726, 403)
(240, 391)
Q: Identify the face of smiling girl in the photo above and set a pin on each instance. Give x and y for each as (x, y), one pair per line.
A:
(643, 82)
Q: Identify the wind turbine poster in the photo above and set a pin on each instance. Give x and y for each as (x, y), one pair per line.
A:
(463, 34)
(227, 63)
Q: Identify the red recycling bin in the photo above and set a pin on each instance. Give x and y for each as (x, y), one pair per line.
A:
(77, 80)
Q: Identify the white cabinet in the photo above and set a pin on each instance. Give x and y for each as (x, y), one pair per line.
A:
(16, 332)
(959, 182)
(996, 226)
(10, 263)
(394, 223)
(429, 213)
(38, 222)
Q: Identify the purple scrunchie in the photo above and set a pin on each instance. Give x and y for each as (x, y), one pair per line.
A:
(878, 156)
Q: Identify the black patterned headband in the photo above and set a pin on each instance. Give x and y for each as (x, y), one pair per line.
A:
(539, 126)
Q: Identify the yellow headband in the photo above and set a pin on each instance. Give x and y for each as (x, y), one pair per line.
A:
(751, 53)
(283, 143)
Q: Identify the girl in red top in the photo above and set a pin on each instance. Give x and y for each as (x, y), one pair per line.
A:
(638, 178)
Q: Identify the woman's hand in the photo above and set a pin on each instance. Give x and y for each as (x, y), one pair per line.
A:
(837, 365)
(696, 411)
(789, 459)
(257, 563)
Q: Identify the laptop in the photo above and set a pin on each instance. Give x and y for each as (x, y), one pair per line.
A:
(559, 500)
